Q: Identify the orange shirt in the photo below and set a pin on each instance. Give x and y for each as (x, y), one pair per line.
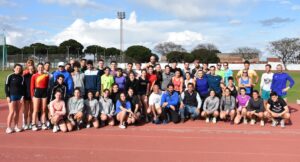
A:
(38, 81)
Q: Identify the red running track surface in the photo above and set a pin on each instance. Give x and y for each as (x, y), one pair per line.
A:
(192, 141)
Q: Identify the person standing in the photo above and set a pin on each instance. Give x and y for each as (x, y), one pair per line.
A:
(265, 84)
(251, 74)
(14, 91)
(92, 80)
(68, 80)
(78, 78)
(107, 80)
(279, 82)
(214, 81)
(166, 78)
(227, 73)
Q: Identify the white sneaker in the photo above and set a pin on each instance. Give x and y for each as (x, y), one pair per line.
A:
(34, 127)
(262, 123)
(17, 129)
(207, 120)
(274, 123)
(44, 127)
(9, 130)
(214, 120)
(282, 123)
(88, 125)
(122, 126)
(252, 122)
(48, 123)
(39, 124)
(55, 129)
(26, 127)
(245, 121)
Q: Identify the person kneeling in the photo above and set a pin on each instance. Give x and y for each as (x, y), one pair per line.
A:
(170, 101)
(191, 103)
(57, 111)
(91, 110)
(75, 106)
(210, 107)
(227, 106)
(123, 111)
(154, 104)
(255, 108)
(277, 109)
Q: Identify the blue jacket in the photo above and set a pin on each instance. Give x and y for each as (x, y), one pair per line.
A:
(92, 80)
(68, 80)
(202, 86)
(214, 82)
(279, 83)
(172, 99)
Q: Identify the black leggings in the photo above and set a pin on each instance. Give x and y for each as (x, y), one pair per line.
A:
(174, 116)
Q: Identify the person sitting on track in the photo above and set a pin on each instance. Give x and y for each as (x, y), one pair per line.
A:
(210, 107)
(154, 104)
(76, 107)
(107, 109)
(277, 109)
(227, 106)
(242, 102)
(123, 111)
(91, 110)
(255, 109)
(57, 112)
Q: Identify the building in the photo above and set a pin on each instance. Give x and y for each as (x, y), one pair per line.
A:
(236, 57)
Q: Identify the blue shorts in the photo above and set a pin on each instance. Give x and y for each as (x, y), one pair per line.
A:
(15, 98)
(265, 95)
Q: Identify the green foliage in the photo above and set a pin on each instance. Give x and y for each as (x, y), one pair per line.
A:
(204, 55)
(95, 49)
(75, 47)
(139, 53)
(112, 51)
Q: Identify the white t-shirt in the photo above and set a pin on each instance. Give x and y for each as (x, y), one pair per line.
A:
(266, 81)
(155, 99)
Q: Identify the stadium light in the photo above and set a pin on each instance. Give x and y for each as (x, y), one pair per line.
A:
(121, 16)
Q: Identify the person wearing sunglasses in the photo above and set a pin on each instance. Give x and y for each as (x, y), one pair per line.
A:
(227, 72)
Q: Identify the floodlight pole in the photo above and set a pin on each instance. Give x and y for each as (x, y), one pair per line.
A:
(121, 16)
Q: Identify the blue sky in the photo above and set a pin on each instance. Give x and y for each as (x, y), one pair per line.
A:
(226, 23)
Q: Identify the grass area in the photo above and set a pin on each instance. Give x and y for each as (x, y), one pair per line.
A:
(292, 94)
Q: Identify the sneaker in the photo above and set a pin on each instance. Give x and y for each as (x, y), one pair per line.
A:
(165, 121)
(88, 125)
(207, 120)
(72, 121)
(48, 124)
(34, 127)
(9, 130)
(157, 121)
(17, 129)
(39, 124)
(44, 127)
(29, 126)
(262, 123)
(282, 123)
(55, 129)
(26, 127)
(182, 120)
(245, 121)
(274, 123)
(252, 122)
(122, 126)
(214, 120)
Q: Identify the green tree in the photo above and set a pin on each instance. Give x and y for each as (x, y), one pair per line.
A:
(188, 58)
(204, 55)
(176, 56)
(112, 51)
(139, 53)
(95, 49)
(74, 47)
(12, 50)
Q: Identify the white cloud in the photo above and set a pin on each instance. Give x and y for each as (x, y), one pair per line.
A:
(235, 22)
(7, 3)
(80, 3)
(195, 9)
(296, 7)
(105, 32)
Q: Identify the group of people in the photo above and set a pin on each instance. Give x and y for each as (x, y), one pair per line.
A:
(79, 95)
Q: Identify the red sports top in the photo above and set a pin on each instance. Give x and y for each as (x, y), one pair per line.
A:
(152, 78)
(38, 81)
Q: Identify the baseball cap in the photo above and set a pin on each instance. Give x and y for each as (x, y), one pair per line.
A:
(60, 64)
